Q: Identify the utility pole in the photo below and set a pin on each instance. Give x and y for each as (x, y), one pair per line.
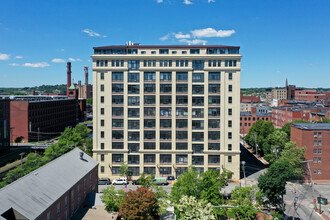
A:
(243, 163)
(310, 177)
(295, 200)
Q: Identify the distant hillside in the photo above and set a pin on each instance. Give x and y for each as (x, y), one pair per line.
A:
(60, 89)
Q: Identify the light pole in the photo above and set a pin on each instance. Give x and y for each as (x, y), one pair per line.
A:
(295, 200)
(243, 163)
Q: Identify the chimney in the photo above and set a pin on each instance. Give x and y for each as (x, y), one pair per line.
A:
(86, 75)
(79, 83)
(68, 71)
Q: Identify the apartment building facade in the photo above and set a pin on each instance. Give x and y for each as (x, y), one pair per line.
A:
(164, 108)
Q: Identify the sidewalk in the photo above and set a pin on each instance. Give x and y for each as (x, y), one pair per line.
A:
(261, 159)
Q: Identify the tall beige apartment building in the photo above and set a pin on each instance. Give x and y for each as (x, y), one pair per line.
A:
(163, 108)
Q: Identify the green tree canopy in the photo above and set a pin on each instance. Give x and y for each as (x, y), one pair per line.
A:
(191, 208)
(112, 198)
(124, 171)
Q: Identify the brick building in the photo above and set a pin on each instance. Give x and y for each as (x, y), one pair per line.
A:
(316, 139)
(4, 124)
(41, 117)
(54, 191)
(247, 119)
(311, 97)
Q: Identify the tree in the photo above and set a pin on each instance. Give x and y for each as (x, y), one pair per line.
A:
(89, 101)
(124, 171)
(274, 144)
(191, 208)
(324, 120)
(89, 146)
(19, 139)
(287, 127)
(140, 204)
(112, 198)
(272, 183)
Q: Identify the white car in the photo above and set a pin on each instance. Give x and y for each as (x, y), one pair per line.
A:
(120, 181)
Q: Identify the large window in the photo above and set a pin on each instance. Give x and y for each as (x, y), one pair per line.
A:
(165, 170)
(181, 76)
(149, 123)
(198, 89)
(181, 123)
(149, 158)
(133, 77)
(214, 123)
(181, 111)
(117, 88)
(198, 77)
(165, 158)
(149, 88)
(214, 112)
(214, 135)
(117, 111)
(214, 100)
(165, 145)
(165, 111)
(149, 135)
(117, 158)
(149, 99)
(197, 124)
(194, 51)
(163, 51)
(181, 135)
(117, 99)
(198, 113)
(214, 146)
(165, 88)
(198, 148)
(198, 136)
(181, 158)
(133, 136)
(133, 100)
(149, 111)
(133, 147)
(149, 76)
(198, 64)
(165, 123)
(165, 100)
(165, 135)
(135, 171)
(197, 160)
(133, 89)
(214, 88)
(117, 76)
(165, 76)
(214, 159)
(149, 170)
(181, 88)
(181, 146)
(133, 159)
(182, 100)
(198, 101)
(133, 112)
(149, 145)
(117, 145)
(214, 76)
(133, 64)
(117, 135)
(117, 123)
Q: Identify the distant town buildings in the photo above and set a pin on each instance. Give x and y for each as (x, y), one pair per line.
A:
(316, 138)
(163, 108)
(4, 124)
(78, 91)
(247, 119)
(54, 191)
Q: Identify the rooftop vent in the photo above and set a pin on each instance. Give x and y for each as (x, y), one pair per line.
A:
(81, 154)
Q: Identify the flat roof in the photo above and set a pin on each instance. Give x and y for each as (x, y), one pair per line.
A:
(139, 46)
(312, 126)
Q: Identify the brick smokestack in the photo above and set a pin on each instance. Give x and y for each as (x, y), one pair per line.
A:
(86, 74)
(68, 71)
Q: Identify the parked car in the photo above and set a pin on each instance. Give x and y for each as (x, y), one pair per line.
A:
(160, 181)
(170, 178)
(104, 181)
(136, 182)
(120, 181)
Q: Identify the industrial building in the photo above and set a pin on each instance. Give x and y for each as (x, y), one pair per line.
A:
(4, 124)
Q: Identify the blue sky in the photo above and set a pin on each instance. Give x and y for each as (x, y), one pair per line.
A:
(278, 38)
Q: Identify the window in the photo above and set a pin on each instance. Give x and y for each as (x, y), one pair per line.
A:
(198, 136)
(133, 89)
(149, 123)
(197, 124)
(149, 146)
(230, 159)
(165, 76)
(102, 169)
(102, 134)
(198, 89)
(165, 146)
(102, 88)
(117, 76)
(198, 101)
(181, 88)
(181, 146)
(315, 143)
(133, 100)
(133, 77)
(133, 124)
(163, 51)
(198, 148)
(165, 170)
(149, 99)
(133, 64)
(319, 171)
(135, 171)
(149, 158)
(181, 76)
(115, 170)
(117, 158)
(133, 112)
(117, 111)
(102, 157)
(314, 159)
(214, 159)
(194, 51)
(133, 159)
(149, 170)
(181, 111)
(230, 63)
(198, 64)
(181, 123)
(315, 151)
(214, 135)
(117, 145)
(214, 76)
(102, 99)
(320, 143)
(102, 146)
(214, 88)
(118, 135)
(229, 135)
(197, 160)
(102, 76)
(230, 147)
(117, 123)
(149, 111)
(117, 88)
(165, 100)
(320, 151)
(133, 147)
(214, 146)
(181, 135)
(315, 171)
(198, 113)
(149, 76)
(149, 88)
(198, 77)
(319, 160)
(165, 88)
(149, 135)
(230, 88)
(181, 158)
(133, 136)
(102, 123)
(230, 99)
(182, 100)
(230, 123)
(320, 134)
(165, 111)
(230, 76)
(165, 123)
(165, 158)
(230, 111)
(214, 100)
(165, 135)
(102, 111)
(117, 99)
(214, 123)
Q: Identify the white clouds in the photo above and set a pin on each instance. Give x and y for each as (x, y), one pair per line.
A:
(159, 1)
(4, 56)
(209, 1)
(194, 41)
(180, 35)
(36, 65)
(18, 57)
(58, 60)
(13, 64)
(92, 33)
(165, 37)
(187, 2)
(211, 32)
(73, 59)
